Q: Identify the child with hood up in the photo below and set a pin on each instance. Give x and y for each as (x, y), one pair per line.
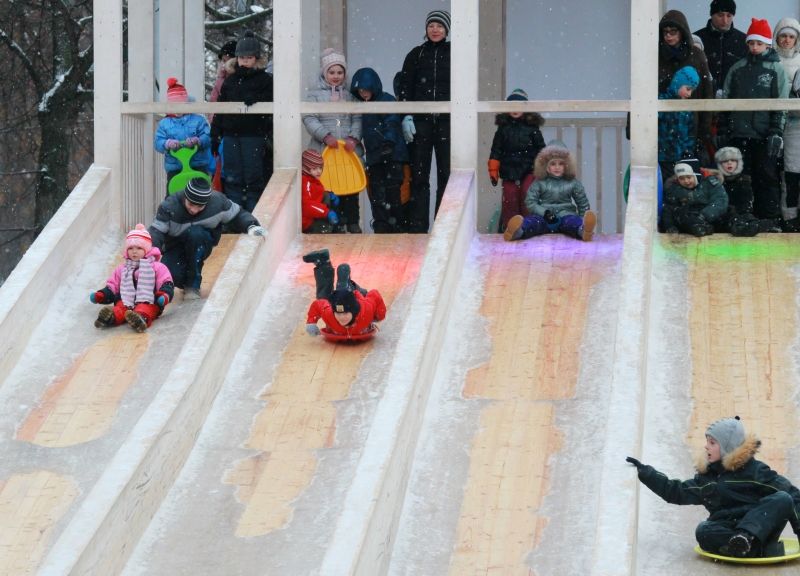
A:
(787, 33)
(748, 503)
(517, 141)
(556, 201)
(328, 129)
(692, 205)
(176, 131)
(739, 220)
(386, 153)
(676, 130)
(139, 289)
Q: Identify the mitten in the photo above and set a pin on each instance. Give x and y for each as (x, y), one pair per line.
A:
(333, 217)
(494, 171)
(192, 141)
(172, 144)
(332, 199)
(254, 230)
(409, 129)
(635, 462)
(312, 329)
(350, 143)
(330, 141)
(162, 299)
(774, 146)
(97, 297)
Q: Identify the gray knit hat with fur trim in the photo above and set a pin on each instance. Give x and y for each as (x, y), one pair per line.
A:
(729, 153)
(728, 432)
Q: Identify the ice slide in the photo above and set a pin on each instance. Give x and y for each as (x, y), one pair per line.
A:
(472, 436)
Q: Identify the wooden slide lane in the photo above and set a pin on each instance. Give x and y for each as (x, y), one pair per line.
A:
(536, 297)
(79, 406)
(299, 417)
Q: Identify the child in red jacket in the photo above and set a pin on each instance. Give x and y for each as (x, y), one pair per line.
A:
(138, 289)
(349, 311)
(318, 218)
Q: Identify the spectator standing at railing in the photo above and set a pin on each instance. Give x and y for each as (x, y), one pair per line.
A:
(787, 31)
(425, 77)
(177, 131)
(328, 129)
(247, 152)
(676, 50)
(676, 140)
(758, 134)
(723, 44)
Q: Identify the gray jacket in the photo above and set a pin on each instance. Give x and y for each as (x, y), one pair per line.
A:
(338, 125)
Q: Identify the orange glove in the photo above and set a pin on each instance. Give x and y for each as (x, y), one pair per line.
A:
(494, 171)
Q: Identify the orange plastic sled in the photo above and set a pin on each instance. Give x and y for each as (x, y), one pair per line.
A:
(343, 173)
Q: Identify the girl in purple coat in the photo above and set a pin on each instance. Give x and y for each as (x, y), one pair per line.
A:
(138, 289)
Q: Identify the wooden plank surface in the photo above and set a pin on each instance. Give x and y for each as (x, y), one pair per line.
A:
(537, 299)
(299, 417)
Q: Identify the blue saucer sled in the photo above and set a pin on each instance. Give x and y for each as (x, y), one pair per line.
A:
(791, 552)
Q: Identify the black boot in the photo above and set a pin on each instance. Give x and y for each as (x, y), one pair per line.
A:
(739, 545)
(317, 256)
(323, 277)
(343, 277)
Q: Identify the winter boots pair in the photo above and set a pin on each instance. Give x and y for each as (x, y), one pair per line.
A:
(323, 274)
(105, 319)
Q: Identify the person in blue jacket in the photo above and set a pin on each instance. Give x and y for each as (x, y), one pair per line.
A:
(176, 131)
(386, 152)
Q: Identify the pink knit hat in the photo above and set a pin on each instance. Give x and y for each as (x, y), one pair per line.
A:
(140, 238)
(176, 91)
(331, 57)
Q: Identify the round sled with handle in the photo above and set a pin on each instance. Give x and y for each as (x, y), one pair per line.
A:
(334, 337)
(791, 552)
(343, 173)
(181, 179)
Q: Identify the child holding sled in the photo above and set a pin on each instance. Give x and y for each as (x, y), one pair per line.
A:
(349, 312)
(749, 503)
(139, 289)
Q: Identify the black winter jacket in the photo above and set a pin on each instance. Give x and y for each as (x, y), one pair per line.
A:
(248, 85)
(380, 132)
(728, 488)
(723, 50)
(172, 219)
(516, 143)
(426, 73)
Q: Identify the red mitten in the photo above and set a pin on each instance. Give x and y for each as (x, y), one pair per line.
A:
(330, 141)
(162, 299)
(350, 143)
(97, 297)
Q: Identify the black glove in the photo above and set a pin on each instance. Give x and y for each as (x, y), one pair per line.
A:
(635, 462)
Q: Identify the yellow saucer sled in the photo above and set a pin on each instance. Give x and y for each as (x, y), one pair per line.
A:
(343, 173)
(791, 551)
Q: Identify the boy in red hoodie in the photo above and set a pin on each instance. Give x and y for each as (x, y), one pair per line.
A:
(318, 218)
(349, 312)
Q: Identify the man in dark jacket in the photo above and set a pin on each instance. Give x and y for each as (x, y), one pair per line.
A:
(722, 42)
(748, 503)
(247, 147)
(187, 227)
(426, 78)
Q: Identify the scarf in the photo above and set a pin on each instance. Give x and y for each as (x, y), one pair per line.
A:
(141, 289)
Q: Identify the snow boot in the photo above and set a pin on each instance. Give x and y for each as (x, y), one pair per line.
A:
(514, 228)
(136, 321)
(105, 318)
(586, 232)
(323, 278)
(739, 545)
(343, 278)
(317, 256)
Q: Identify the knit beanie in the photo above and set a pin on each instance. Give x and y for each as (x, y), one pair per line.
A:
(686, 76)
(440, 16)
(198, 191)
(139, 237)
(759, 30)
(723, 6)
(331, 57)
(176, 91)
(729, 434)
(248, 45)
(345, 301)
(729, 153)
(311, 159)
(518, 94)
(228, 49)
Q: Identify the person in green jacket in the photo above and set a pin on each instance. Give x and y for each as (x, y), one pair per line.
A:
(749, 503)
(691, 205)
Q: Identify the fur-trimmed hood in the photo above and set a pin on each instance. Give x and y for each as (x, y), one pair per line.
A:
(550, 152)
(736, 459)
(530, 118)
(232, 65)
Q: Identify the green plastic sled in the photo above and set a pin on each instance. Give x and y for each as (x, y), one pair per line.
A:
(791, 552)
(181, 179)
